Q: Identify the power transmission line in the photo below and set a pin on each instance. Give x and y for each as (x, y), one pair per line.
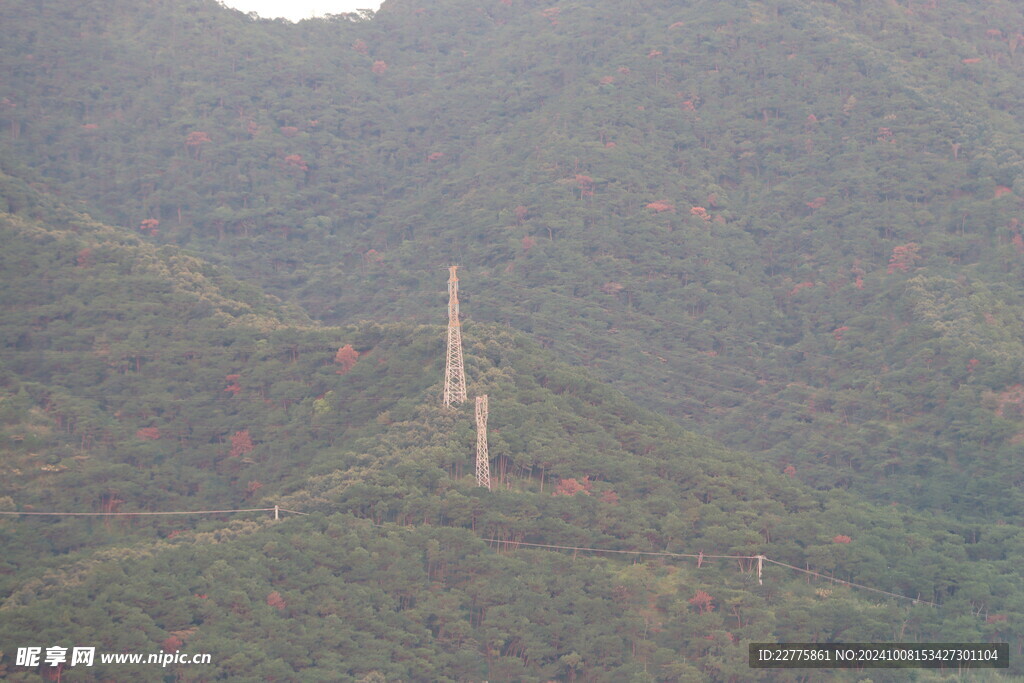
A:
(483, 463)
(454, 371)
(274, 509)
(700, 556)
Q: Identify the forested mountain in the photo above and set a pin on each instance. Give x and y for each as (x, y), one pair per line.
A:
(792, 226)
(137, 378)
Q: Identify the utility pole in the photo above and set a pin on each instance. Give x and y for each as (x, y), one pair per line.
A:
(483, 462)
(454, 372)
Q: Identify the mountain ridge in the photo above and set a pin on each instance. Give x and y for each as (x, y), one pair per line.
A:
(789, 226)
(374, 461)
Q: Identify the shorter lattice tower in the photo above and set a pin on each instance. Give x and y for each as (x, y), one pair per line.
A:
(454, 372)
(483, 460)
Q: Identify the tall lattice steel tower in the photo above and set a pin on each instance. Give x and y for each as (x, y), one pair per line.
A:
(454, 373)
(483, 460)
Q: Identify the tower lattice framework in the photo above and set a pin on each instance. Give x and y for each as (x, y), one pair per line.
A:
(454, 372)
(483, 461)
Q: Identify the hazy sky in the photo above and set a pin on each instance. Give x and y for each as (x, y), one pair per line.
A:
(300, 9)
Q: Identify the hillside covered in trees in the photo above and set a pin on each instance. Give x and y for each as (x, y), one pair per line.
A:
(139, 379)
(740, 279)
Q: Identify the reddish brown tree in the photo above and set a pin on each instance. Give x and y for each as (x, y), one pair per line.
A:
(570, 487)
(276, 601)
(233, 386)
(241, 443)
(84, 258)
(171, 643)
(296, 161)
(346, 358)
(585, 184)
(661, 206)
(148, 433)
(53, 673)
(194, 142)
(702, 601)
(903, 257)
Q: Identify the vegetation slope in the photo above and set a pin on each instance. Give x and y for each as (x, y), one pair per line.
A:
(137, 378)
(791, 225)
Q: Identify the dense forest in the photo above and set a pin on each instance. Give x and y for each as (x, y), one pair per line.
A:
(740, 279)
